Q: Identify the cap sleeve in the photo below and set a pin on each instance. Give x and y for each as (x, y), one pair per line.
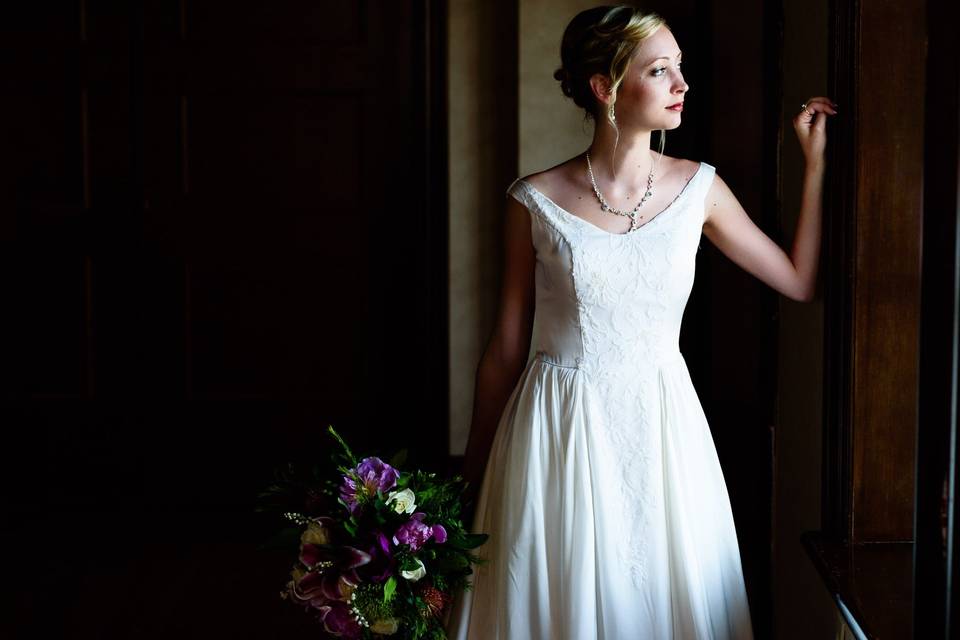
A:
(519, 193)
(709, 171)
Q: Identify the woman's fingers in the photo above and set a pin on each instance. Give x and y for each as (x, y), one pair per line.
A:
(820, 103)
(822, 100)
(808, 115)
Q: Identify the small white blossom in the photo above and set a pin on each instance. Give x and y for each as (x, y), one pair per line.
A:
(417, 573)
(404, 501)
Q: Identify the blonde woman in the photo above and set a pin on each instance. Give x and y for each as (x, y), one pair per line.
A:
(597, 476)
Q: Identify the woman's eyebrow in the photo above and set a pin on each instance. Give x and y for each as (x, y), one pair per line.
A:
(664, 58)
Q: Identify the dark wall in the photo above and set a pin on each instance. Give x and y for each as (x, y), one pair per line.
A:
(221, 234)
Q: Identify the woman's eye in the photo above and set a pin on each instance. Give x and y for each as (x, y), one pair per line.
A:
(658, 71)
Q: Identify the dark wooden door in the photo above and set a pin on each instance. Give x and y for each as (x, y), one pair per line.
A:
(221, 233)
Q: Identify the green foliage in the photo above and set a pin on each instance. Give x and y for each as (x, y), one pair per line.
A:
(351, 527)
(468, 540)
(369, 600)
(389, 588)
(351, 460)
(301, 493)
(399, 459)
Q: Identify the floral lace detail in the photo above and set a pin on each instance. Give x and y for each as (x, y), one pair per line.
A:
(613, 312)
(627, 290)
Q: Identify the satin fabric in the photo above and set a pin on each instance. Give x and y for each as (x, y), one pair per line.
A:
(603, 496)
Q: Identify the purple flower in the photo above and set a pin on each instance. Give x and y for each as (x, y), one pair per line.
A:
(327, 573)
(348, 495)
(374, 475)
(325, 581)
(377, 475)
(338, 620)
(325, 556)
(415, 533)
(382, 564)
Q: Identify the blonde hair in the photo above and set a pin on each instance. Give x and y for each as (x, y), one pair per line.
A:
(603, 40)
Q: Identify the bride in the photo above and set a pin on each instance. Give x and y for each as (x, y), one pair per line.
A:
(591, 462)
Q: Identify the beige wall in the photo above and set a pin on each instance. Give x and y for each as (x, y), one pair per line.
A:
(550, 129)
(477, 145)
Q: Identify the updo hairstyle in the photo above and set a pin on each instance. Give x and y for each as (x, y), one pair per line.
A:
(602, 40)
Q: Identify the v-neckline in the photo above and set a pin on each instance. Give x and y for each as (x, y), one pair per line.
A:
(589, 224)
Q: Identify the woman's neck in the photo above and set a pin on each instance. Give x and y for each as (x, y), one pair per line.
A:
(622, 165)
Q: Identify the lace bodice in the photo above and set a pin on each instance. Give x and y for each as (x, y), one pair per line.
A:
(606, 299)
(611, 305)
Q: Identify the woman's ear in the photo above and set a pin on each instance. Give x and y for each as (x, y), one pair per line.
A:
(600, 86)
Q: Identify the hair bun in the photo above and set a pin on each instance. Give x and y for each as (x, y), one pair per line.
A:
(563, 76)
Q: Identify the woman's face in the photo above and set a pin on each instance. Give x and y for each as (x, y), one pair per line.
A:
(653, 83)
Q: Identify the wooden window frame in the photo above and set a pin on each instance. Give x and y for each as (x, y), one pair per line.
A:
(887, 549)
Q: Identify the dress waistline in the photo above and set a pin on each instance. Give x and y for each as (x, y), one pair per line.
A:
(579, 361)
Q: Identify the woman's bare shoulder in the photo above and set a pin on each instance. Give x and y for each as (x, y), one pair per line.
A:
(562, 172)
(679, 166)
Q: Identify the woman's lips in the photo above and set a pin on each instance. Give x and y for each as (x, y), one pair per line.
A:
(678, 107)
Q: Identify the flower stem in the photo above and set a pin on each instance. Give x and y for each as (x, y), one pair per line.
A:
(343, 444)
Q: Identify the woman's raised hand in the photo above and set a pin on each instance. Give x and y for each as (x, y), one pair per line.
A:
(811, 127)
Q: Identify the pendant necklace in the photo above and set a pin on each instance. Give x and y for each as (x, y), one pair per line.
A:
(634, 214)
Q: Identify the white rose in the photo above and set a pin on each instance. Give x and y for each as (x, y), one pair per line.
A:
(416, 574)
(404, 501)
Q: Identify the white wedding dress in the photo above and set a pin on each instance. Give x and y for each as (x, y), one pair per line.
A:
(603, 496)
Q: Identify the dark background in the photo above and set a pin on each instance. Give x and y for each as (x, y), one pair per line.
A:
(216, 221)
(224, 228)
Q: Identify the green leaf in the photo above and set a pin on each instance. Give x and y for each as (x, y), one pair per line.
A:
(398, 459)
(388, 589)
(343, 444)
(468, 541)
(350, 527)
(453, 563)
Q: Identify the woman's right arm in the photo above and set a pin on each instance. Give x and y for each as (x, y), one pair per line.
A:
(506, 354)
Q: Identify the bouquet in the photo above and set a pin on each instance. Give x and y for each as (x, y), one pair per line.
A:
(381, 551)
